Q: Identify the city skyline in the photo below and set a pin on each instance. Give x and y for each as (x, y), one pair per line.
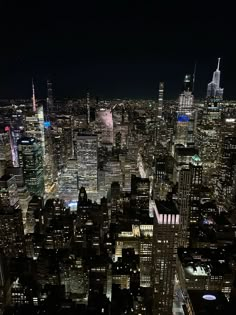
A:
(117, 158)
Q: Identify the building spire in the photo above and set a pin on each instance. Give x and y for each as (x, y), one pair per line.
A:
(33, 97)
(218, 66)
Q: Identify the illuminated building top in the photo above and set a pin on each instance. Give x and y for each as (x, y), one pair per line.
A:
(213, 89)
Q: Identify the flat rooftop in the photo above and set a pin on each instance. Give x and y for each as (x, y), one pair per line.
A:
(203, 262)
(208, 302)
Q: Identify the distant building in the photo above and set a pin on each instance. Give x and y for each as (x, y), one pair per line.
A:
(87, 161)
(31, 160)
(104, 122)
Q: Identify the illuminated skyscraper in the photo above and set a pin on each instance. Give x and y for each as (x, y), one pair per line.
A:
(34, 126)
(184, 188)
(186, 98)
(50, 172)
(87, 161)
(50, 97)
(213, 89)
(160, 99)
(185, 117)
(196, 184)
(31, 160)
(165, 237)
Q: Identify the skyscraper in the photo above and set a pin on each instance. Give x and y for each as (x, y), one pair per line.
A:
(50, 97)
(185, 117)
(186, 98)
(196, 184)
(87, 161)
(184, 188)
(160, 99)
(165, 236)
(34, 126)
(213, 89)
(31, 160)
(88, 108)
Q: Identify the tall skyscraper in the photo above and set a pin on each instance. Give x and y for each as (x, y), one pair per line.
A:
(184, 188)
(213, 89)
(31, 160)
(87, 161)
(165, 237)
(50, 172)
(186, 98)
(160, 99)
(214, 97)
(185, 117)
(88, 108)
(50, 97)
(196, 184)
(34, 126)
(159, 113)
(33, 97)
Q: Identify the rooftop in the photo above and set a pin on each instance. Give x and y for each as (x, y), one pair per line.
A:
(205, 262)
(166, 207)
(208, 302)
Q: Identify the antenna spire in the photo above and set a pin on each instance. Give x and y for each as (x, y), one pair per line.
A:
(218, 66)
(33, 97)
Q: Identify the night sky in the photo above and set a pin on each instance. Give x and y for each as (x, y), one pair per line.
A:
(114, 48)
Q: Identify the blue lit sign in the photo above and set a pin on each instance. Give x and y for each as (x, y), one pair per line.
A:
(47, 124)
(183, 118)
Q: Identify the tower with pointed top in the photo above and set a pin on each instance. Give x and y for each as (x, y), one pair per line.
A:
(213, 89)
(34, 121)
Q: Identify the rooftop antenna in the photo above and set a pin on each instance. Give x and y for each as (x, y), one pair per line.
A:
(218, 66)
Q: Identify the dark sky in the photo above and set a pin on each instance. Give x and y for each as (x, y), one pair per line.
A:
(114, 48)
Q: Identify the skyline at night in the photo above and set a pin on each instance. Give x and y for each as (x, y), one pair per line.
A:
(117, 158)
